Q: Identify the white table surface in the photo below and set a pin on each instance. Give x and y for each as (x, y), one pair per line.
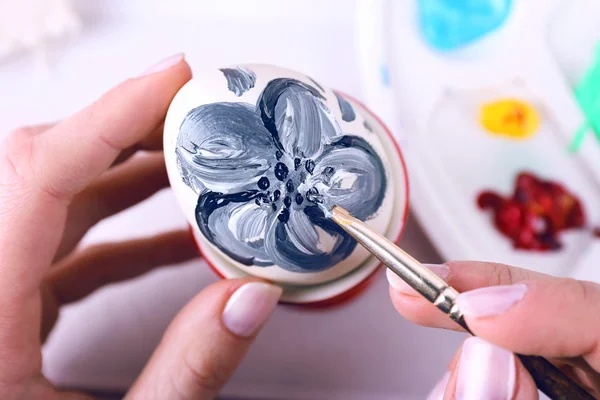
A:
(363, 350)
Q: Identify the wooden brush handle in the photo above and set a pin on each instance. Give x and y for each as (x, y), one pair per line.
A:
(551, 381)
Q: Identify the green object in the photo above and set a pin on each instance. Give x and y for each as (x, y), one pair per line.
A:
(579, 136)
(587, 94)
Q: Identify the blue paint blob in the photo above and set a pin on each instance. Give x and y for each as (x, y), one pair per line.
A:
(310, 166)
(452, 24)
(297, 163)
(264, 183)
(299, 199)
(276, 195)
(289, 186)
(284, 215)
(239, 79)
(313, 196)
(328, 172)
(281, 171)
(287, 201)
(348, 114)
(302, 176)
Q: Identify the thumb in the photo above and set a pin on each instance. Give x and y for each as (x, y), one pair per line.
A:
(207, 340)
(552, 317)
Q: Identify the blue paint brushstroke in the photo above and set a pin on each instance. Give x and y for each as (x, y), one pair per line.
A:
(239, 80)
(307, 128)
(256, 170)
(348, 114)
(224, 146)
(212, 226)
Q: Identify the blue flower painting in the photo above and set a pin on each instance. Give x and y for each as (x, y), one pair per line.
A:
(261, 169)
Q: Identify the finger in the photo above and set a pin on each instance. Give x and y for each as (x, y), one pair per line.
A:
(116, 190)
(463, 276)
(39, 175)
(32, 130)
(485, 371)
(576, 374)
(207, 340)
(437, 393)
(555, 318)
(64, 395)
(82, 273)
(95, 136)
(153, 142)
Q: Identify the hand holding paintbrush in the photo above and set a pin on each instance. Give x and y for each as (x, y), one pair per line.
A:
(562, 314)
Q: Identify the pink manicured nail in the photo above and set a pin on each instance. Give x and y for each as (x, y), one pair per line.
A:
(443, 271)
(249, 307)
(440, 388)
(485, 371)
(164, 64)
(490, 301)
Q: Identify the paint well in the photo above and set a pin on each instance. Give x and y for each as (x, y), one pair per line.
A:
(510, 118)
(536, 213)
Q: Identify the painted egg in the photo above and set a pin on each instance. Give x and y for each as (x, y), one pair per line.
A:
(251, 150)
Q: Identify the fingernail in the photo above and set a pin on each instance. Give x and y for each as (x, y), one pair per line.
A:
(443, 271)
(249, 307)
(164, 64)
(440, 388)
(490, 301)
(485, 371)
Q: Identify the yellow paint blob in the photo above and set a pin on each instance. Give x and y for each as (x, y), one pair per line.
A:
(512, 118)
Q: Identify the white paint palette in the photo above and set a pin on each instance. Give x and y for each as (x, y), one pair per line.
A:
(432, 101)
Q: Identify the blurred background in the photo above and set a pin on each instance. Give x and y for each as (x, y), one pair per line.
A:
(436, 71)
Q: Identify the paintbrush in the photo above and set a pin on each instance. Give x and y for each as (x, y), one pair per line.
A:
(549, 379)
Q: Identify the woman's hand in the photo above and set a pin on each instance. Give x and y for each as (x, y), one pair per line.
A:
(511, 310)
(56, 182)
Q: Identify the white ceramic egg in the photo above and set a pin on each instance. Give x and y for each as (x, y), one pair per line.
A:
(253, 152)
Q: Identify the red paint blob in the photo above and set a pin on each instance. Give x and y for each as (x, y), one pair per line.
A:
(535, 214)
